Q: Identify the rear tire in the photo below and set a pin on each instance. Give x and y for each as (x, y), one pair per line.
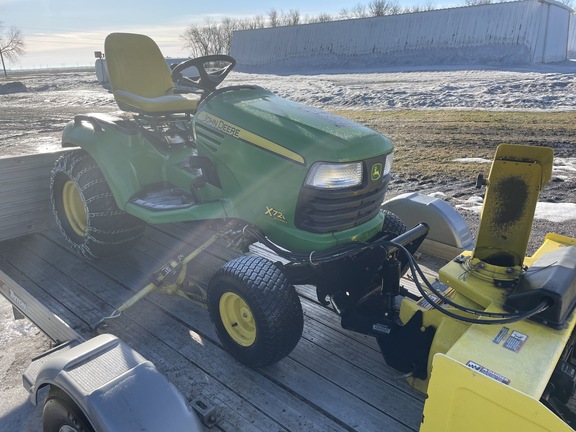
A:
(85, 210)
(61, 414)
(256, 312)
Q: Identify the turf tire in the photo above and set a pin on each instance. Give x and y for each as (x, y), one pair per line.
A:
(273, 304)
(102, 230)
(393, 225)
(60, 411)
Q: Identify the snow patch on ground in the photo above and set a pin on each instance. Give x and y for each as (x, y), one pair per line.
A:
(553, 212)
(556, 212)
(564, 169)
(15, 328)
(533, 87)
(472, 160)
(565, 166)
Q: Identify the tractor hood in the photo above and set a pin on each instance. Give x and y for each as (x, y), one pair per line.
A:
(297, 132)
(263, 149)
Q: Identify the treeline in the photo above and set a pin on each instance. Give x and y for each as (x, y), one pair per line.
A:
(213, 37)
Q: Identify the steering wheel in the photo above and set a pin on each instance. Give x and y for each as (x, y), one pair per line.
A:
(207, 81)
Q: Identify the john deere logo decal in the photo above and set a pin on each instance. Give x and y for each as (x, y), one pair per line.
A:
(376, 171)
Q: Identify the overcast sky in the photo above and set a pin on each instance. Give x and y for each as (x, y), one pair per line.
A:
(67, 32)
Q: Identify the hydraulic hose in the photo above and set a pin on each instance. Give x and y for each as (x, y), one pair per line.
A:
(494, 317)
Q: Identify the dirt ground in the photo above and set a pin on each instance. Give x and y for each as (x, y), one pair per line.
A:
(20, 341)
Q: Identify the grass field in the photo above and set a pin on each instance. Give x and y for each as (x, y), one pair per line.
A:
(428, 141)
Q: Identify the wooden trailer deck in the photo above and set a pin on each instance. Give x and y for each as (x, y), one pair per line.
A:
(334, 380)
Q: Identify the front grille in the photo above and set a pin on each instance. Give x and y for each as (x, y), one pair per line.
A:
(324, 211)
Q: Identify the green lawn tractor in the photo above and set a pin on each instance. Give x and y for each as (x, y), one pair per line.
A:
(309, 185)
(269, 169)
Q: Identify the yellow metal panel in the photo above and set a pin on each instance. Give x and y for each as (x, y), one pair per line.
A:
(551, 243)
(525, 353)
(492, 377)
(540, 155)
(447, 333)
(472, 282)
(516, 178)
(463, 399)
(497, 347)
(508, 212)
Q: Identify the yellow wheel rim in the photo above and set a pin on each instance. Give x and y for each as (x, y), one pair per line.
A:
(74, 208)
(237, 319)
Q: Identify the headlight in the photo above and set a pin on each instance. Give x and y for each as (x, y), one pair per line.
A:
(388, 163)
(324, 175)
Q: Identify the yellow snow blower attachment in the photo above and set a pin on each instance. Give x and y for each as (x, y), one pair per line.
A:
(501, 357)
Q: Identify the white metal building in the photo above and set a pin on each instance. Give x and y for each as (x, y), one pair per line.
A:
(529, 31)
(572, 37)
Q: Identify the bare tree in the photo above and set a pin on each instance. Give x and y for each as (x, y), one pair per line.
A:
(293, 17)
(384, 7)
(12, 45)
(216, 37)
(477, 2)
(202, 40)
(429, 6)
(273, 18)
(258, 22)
(322, 18)
(426, 7)
(358, 11)
(226, 28)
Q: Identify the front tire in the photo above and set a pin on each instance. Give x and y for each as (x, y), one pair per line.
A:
(393, 226)
(256, 312)
(85, 210)
(61, 414)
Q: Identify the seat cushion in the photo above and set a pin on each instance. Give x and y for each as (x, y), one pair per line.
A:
(140, 77)
(173, 103)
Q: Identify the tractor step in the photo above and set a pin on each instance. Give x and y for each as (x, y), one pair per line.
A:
(163, 197)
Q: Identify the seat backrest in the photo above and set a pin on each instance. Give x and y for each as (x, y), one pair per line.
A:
(136, 65)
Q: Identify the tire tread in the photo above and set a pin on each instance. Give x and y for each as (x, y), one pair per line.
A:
(274, 304)
(111, 231)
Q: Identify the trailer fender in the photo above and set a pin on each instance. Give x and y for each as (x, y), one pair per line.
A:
(449, 233)
(113, 385)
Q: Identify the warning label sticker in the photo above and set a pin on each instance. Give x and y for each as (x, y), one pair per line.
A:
(445, 290)
(489, 373)
(501, 335)
(515, 341)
